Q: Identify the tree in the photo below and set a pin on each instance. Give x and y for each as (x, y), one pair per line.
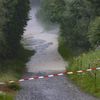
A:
(2, 23)
(94, 32)
(53, 10)
(13, 15)
(17, 14)
(75, 25)
(96, 6)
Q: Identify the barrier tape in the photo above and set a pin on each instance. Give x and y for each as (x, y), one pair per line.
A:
(53, 75)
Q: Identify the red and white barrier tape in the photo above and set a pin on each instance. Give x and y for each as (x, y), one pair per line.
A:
(53, 75)
(60, 74)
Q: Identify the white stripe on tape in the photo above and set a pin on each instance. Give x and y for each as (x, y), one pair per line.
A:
(89, 70)
(21, 80)
(80, 71)
(98, 68)
(50, 75)
(60, 74)
(31, 78)
(11, 81)
(41, 77)
(69, 72)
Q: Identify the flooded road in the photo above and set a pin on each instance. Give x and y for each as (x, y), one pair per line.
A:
(46, 60)
(45, 43)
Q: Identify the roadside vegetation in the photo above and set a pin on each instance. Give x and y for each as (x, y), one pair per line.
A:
(6, 97)
(12, 69)
(88, 81)
(13, 19)
(79, 38)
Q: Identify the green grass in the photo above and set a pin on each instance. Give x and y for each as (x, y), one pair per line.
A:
(6, 97)
(90, 81)
(63, 50)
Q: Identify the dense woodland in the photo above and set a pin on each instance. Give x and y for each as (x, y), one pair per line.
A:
(79, 22)
(13, 18)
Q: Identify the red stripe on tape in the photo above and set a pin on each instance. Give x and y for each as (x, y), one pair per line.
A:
(93, 68)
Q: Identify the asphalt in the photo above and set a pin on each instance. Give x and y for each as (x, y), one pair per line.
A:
(55, 88)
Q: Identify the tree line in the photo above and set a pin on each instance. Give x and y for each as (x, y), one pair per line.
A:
(79, 22)
(13, 18)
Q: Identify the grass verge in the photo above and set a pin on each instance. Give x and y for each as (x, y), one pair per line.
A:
(89, 81)
(6, 96)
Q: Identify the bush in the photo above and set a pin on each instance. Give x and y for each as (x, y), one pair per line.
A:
(14, 86)
(94, 32)
(63, 50)
(90, 81)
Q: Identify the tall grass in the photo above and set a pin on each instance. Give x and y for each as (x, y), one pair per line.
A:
(89, 81)
(6, 97)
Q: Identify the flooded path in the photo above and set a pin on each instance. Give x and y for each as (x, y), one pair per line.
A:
(45, 43)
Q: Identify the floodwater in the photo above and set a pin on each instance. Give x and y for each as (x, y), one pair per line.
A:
(45, 43)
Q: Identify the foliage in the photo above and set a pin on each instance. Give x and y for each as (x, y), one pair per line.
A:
(87, 81)
(13, 86)
(75, 26)
(96, 5)
(94, 32)
(64, 50)
(13, 69)
(52, 10)
(13, 20)
(6, 96)
(14, 16)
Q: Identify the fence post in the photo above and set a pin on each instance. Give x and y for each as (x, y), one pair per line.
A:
(81, 64)
(95, 80)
